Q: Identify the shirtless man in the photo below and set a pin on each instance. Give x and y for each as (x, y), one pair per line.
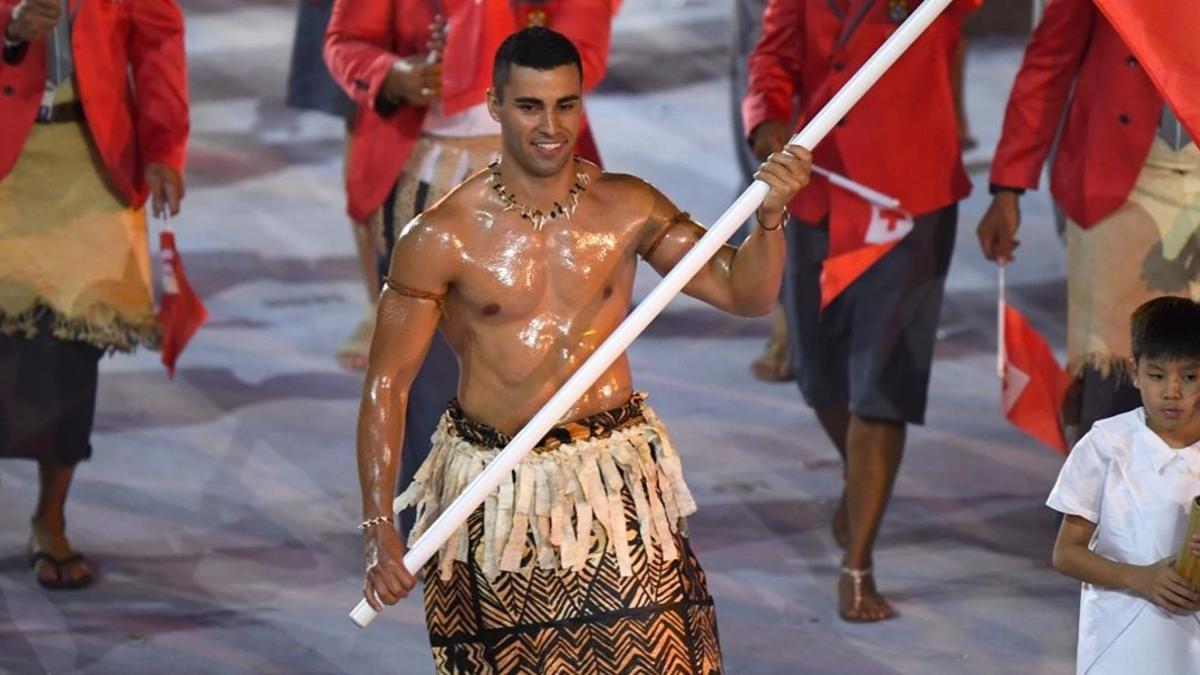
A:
(527, 267)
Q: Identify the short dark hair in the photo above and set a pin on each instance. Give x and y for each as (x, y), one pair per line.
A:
(535, 47)
(1166, 328)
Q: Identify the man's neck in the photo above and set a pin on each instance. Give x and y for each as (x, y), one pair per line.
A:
(539, 192)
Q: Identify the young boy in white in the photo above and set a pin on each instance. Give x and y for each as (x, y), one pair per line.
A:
(1126, 490)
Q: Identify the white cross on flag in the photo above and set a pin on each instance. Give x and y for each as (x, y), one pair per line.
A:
(887, 225)
(860, 233)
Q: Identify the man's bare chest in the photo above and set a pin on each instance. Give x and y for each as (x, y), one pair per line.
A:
(560, 269)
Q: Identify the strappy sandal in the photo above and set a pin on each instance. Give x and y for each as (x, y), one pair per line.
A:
(858, 582)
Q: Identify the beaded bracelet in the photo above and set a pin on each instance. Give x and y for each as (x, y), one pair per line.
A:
(782, 221)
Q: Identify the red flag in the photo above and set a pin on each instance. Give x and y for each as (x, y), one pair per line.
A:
(1162, 35)
(860, 233)
(181, 312)
(1033, 384)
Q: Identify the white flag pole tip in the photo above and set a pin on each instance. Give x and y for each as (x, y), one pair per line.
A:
(363, 614)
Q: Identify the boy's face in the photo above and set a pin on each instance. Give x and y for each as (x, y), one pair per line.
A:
(1170, 390)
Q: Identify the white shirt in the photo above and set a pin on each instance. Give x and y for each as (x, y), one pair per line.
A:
(470, 123)
(1138, 491)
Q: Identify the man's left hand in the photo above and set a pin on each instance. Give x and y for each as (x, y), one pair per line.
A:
(786, 173)
(166, 190)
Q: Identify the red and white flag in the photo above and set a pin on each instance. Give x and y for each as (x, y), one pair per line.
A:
(1162, 35)
(181, 312)
(1032, 384)
(863, 226)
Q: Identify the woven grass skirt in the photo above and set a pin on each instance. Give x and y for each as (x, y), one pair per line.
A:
(578, 563)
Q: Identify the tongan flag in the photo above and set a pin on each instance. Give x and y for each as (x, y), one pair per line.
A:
(1162, 35)
(181, 313)
(860, 233)
(1032, 384)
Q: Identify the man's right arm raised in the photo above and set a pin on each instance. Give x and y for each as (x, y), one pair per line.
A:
(410, 308)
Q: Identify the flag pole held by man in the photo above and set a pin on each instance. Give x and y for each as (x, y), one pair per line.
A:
(526, 267)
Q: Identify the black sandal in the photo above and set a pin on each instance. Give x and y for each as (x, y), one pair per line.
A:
(60, 584)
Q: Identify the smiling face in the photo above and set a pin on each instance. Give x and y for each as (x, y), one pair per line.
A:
(539, 112)
(1170, 390)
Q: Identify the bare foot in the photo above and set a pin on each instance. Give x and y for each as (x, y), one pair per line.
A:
(772, 367)
(841, 523)
(858, 601)
(775, 362)
(353, 353)
(55, 564)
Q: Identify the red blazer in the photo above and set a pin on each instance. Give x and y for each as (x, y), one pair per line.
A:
(120, 48)
(366, 37)
(901, 138)
(1112, 116)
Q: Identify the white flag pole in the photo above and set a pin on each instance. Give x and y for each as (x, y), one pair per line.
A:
(1001, 355)
(612, 348)
(874, 196)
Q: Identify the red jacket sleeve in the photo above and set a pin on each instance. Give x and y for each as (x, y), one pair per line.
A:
(359, 47)
(159, 69)
(775, 65)
(1039, 95)
(588, 24)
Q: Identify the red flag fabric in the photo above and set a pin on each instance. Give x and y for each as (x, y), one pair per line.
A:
(1033, 384)
(860, 233)
(181, 313)
(1162, 35)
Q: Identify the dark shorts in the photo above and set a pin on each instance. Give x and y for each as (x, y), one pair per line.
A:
(47, 397)
(871, 350)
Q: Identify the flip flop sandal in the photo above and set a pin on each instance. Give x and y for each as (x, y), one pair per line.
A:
(60, 584)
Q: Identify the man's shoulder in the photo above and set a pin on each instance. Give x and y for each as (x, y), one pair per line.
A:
(447, 215)
(618, 181)
(429, 232)
(622, 187)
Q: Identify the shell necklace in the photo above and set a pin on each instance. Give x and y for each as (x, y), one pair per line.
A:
(537, 217)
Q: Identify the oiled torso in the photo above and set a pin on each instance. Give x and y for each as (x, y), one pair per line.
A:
(525, 308)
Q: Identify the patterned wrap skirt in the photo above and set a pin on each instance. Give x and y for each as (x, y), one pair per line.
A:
(74, 283)
(1149, 247)
(578, 563)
